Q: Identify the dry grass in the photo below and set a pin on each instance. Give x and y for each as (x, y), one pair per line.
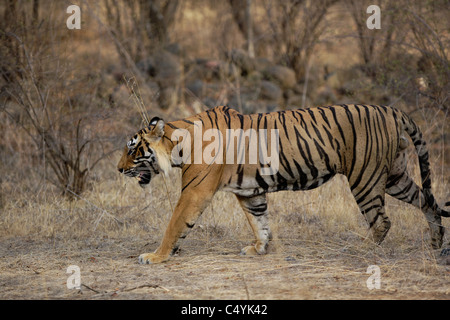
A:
(321, 247)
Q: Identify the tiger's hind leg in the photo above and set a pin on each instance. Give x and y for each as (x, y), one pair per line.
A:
(255, 209)
(380, 224)
(370, 200)
(402, 187)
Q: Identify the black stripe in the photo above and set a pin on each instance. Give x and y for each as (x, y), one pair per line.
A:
(307, 158)
(403, 191)
(324, 117)
(303, 123)
(313, 117)
(367, 158)
(393, 180)
(376, 217)
(240, 172)
(352, 123)
(241, 120)
(258, 125)
(323, 155)
(260, 181)
(198, 117)
(303, 176)
(282, 119)
(318, 134)
(204, 177)
(329, 136)
(216, 118)
(361, 198)
(378, 197)
(188, 183)
(359, 112)
(210, 119)
(256, 213)
(172, 126)
(187, 121)
(293, 114)
(333, 111)
(370, 179)
(282, 182)
(409, 198)
(283, 159)
(227, 118)
(260, 208)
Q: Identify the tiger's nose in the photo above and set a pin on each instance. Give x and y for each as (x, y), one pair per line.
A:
(120, 170)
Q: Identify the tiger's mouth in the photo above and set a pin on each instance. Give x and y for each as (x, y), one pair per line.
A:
(144, 178)
(143, 173)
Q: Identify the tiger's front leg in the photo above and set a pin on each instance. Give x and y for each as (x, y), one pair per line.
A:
(189, 207)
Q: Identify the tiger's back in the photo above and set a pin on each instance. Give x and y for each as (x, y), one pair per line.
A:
(314, 145)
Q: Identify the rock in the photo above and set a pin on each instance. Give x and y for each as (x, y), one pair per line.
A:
(263, 63)
(353, 80)
(168, 97)
(209, 102)
(210, 70)
(119, 96)
(242, 60)
(295, 101)
(239, 97)
(254, 77)
(325, 96)
(298, 88)
(174, 48)
(254, 106)
(196, 87)
(270, 91)
(167, 69)
(147, 66)
(228, 70)
(284, 76)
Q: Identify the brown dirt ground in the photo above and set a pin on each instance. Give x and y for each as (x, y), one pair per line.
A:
(32, 269)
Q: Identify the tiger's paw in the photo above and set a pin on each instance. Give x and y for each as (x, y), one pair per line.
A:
(253, 250)
(150, 258)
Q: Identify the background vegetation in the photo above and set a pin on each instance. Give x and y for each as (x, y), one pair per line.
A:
(66, 112)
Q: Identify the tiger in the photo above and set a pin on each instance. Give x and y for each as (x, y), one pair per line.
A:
(365, 143)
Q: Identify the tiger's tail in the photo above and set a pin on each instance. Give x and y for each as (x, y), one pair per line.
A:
(422, 151)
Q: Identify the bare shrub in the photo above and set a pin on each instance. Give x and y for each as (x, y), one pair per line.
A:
(409, 54)
(431, 39)
(375, 44)
(295, 28)
(42, 98)
(140, 26)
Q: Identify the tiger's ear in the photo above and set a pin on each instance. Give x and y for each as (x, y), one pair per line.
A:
(154, 121)
(156, 126)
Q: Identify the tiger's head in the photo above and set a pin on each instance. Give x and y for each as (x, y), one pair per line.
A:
(144, 155)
